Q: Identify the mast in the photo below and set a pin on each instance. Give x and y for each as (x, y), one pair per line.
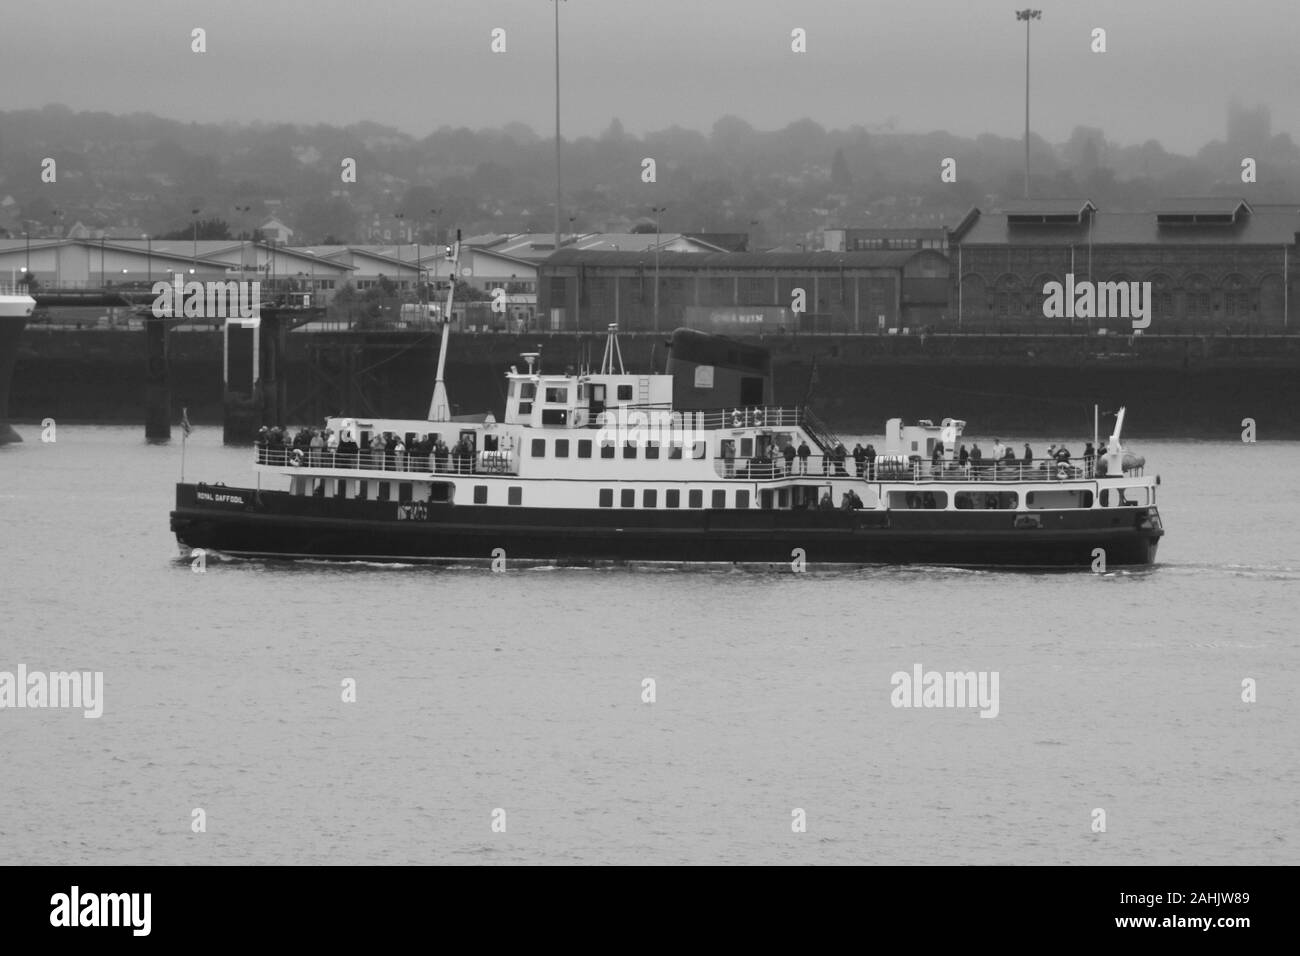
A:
(440, 407)
(613, 354)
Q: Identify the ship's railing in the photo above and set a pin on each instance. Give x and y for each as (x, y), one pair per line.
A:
(370, 459)
(744, 416)
(899, 469)
(14, 288)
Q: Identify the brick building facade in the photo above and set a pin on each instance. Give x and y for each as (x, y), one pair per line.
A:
(1213, 264)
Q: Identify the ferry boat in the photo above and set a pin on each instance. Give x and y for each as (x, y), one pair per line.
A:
(16, 306)
(694, 465)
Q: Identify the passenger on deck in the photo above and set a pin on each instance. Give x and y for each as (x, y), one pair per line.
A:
(854, 501)
(841, 456)
(1063, 455)
(999, 449)
(441, 454)
(390, 451)
(260, 442)
(826, 504)
(804, 452)
(1089, 457)
(788, 452)
(976, 458)
(859, 458)
(348, 452)
(963, 458)
(331, 446)
(870, 455)
(317, 446)
(399, 453)
(936, 459)
(1029, 456)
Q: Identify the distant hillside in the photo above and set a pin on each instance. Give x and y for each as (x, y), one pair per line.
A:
(139, 173)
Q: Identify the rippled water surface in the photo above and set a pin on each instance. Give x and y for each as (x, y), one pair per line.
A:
(523, 691)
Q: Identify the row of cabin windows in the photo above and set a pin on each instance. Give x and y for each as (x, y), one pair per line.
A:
(672, 498)
(383, 490)
(607, 449)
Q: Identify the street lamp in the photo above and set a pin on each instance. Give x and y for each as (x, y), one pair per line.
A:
(657, 210)
(194, 262)
(243, 261)
(399, 216)
(557, 124)
(1027, 15)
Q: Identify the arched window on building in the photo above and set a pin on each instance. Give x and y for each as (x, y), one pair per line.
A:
(1009, 297)
(1162, 298)
(1198, 297)
(1237, 305)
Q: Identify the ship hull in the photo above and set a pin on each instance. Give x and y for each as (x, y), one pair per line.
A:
(246, 522)
(11, 330)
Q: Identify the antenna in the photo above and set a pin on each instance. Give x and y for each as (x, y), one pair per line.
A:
(440, 407)
(612, 353)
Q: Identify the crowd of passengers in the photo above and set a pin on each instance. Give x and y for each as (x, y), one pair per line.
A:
(965, 463)
(323, 447)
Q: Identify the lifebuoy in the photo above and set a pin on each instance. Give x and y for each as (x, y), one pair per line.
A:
(296, 458)
(1062, 471)
(737, 419)
(758, 416)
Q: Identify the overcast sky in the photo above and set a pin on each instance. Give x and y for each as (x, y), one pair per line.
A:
(957, 65)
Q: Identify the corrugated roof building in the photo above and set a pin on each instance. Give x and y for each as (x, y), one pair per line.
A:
(1214, 263)
(735, 292)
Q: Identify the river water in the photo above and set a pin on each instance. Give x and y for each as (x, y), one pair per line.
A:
(523, 692)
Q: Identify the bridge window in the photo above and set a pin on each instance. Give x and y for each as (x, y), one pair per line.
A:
(515, 495)
(652, 450)
(1059, 498)
(695, 498)
(719, 498)
(558, 396)
(539, 447)
(672, 498)
(742, 499)
(480, 494)
(1124, 497)
(649, 498)
(625, 393)
(981, 500)
(561, 448)
(584, 448)
(627, 498)
(607, 497)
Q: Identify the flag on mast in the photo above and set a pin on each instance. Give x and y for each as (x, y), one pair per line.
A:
(185, 422)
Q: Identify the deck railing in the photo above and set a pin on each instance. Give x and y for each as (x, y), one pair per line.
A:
(894, 470)
(374, 460)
